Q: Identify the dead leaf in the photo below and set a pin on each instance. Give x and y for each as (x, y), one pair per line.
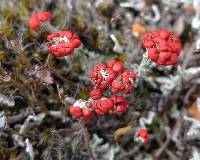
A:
(41, 74)
(194, 110)
(138, 29)
(190, 8)
(121, 132)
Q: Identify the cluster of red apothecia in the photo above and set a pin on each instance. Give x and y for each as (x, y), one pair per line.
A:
(61, 43)
(162, 46)
(142, 136)
(111, 76)
(86, 109)
(38, 18)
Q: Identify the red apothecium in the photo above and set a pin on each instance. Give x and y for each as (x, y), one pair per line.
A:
(162, 46)
(38, 18)
(62, 43)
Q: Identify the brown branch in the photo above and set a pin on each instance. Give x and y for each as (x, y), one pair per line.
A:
(86, 138)
(164, 146)
(16, 118)
(48, 60)
(172, 155)
(20, 116)
(7, 150)
(56, 96)
(65, 80)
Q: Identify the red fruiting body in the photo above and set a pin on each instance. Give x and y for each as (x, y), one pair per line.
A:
(115, 65)
(101, 76)
(81, 109)
(96, 94)
(112, 75)
(120, 104)
(130, 75)
(38, 18)
(142, 135)
(102, 106)
(75, 111)
(162, 46)
(62, 43)
(123, 82)
(104, 76)
(87, 113)
(96, 76)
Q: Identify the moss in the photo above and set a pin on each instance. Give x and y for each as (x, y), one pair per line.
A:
(76, 68)
(7, 30)
(80, 22)
(84, 94)
(122, 57)
(2, 57)
(8, 13)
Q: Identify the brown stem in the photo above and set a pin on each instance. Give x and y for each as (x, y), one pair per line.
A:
(65, 80)
(20, 116)
(162, 148)
(55, 95)
(48, 61)
(86, 138)
(7, 150)
(165, 144)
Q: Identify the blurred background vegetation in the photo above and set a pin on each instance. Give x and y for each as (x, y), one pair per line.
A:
(33, 95)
